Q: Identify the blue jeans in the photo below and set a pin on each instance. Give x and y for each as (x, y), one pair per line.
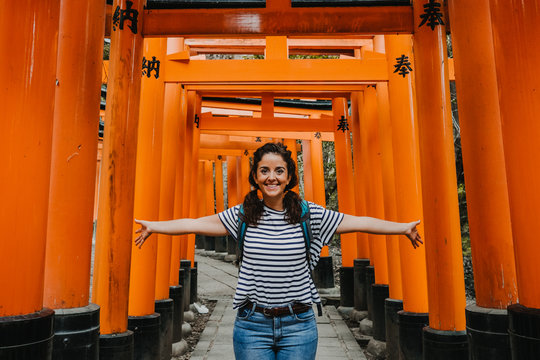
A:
(289, 337)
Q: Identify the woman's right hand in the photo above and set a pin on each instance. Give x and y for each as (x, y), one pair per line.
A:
(144, 232)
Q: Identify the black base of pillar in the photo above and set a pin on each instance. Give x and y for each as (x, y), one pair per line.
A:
(360, 291)
(185, 281)
(165, 310)
(370, 280)
(116, 346)
(209, 243)
(76, 333)
(231, 245)
(410, 334)
(380, 293)
(199, 242)
(176, 293)
(524, 331)
(323, 274)
(146, 341)
(346, 288)
(193, 285)
(221, 244)
(445, 345)
(391, 308)
(487, 332)
(28, 336)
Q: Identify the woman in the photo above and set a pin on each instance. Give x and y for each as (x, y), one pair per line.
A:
(275, 292)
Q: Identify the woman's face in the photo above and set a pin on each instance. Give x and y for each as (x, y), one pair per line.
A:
(272, 175)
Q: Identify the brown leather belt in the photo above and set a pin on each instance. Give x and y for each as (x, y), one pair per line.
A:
(297, 308)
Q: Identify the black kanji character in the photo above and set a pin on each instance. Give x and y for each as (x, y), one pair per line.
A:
(317, 135)
(150, 65)
(403, 65)
(343, 124)
(196, 121)
(432, 14)
(120, 16)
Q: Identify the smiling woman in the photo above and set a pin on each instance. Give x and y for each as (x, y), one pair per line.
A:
(275, 291)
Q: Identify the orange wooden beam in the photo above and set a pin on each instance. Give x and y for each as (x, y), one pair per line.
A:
(301, 135)
(208, 122)
(279, 21)
(252, 107)
(371, 68)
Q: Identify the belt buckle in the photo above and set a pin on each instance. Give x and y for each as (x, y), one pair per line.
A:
(267, 312)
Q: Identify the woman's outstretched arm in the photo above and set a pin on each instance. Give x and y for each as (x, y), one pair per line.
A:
(208, 225)
(371, 225)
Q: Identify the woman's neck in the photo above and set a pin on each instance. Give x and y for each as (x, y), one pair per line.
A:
(275, 203)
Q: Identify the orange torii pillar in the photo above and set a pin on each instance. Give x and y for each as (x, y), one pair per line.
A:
(73, 180)
(176, 107)
(346, 194)
(151, 172)
(206, 194)
(114, 234)
(220, 205)
(445, 337)
(515, 30)
(485, 171)
(194, 203)
(361, 262)
(408, 202)
(27, 100)
(390, 211)
(191, 142)
(245, 167)
(374, 195)
(291, 146)
(232, 184)
(323, 274)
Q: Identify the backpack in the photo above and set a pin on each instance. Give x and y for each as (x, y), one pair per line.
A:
(306, 231)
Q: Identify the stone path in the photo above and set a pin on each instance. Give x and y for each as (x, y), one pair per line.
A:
(217, 281)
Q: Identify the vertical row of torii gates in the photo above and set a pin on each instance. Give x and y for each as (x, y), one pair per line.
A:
(389, 89)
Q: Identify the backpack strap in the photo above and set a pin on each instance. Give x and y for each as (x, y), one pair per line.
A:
(241, 235)
(308, 236)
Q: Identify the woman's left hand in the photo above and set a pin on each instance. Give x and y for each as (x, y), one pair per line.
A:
(413, 235)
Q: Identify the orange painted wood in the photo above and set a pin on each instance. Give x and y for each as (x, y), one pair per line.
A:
(291, 146)
(73, 163)
(115, 215)
(515, 30)
(194, 162)
(150, 160)
(389, 189)
(244, 174)
(407, 173)
(276, 48)
(178, 242)
(27, 100)
(304, 135)
(209, 187)
(209, 122)
(360, 174)
(317, 169)
(220, 205)
(371, 154)
(442, 229)
(308, 173)
(250, 107)
(232, 197)
(202, 193)
(344, 174)
(483, 155)
(276, 70)
(291, 21)
(239, 180)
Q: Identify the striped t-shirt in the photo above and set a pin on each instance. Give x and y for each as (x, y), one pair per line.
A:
(274, 268)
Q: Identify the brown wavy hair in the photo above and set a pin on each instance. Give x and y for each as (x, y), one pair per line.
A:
(253, 206)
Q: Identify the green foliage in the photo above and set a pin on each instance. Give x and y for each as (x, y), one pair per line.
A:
(106, 49)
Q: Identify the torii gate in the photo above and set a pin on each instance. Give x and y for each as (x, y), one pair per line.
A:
(512, 30)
